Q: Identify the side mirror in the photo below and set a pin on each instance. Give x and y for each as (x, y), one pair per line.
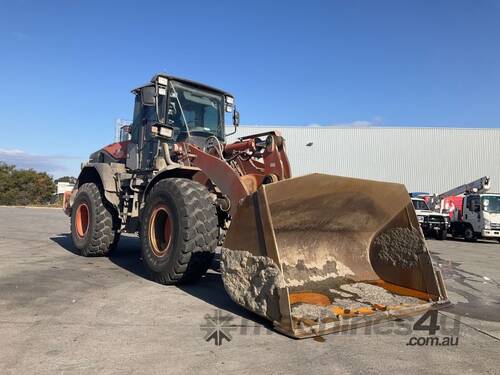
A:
(148, 94)
(236, 121)
(236, 118)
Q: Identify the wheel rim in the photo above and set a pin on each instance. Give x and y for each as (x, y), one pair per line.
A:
(82, 220)
(468, 234)
(161, 230)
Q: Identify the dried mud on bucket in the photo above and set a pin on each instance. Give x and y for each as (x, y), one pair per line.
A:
(254, 283)
(353, 299)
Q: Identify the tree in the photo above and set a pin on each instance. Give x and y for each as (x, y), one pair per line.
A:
(24, 186)
(66, 179)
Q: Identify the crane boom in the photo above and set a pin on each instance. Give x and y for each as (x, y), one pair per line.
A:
(481, 185)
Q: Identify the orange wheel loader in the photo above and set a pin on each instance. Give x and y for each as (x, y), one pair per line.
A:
(314, 254)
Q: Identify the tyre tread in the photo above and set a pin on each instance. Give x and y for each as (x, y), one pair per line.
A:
(199, 222)
(104, 237)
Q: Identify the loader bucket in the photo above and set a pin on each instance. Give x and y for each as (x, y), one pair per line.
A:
(319, 253)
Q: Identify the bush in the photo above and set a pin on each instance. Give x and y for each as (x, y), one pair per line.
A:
(24, 187)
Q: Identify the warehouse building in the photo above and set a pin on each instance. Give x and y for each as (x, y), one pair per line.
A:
(424, 159)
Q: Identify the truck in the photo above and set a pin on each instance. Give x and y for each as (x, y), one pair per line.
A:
(474, 212)
(432, 223)
(477, 216)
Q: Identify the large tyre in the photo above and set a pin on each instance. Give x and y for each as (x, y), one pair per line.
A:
(94, 226)
(456, 231)
(179, 231)
(469, 234)
(442, 235)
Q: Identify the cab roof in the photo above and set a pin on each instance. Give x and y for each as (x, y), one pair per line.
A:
(182, 80)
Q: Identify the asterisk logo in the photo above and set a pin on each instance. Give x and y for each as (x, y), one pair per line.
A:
(217, 327)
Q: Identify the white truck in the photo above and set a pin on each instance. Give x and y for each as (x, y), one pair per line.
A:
(432, 223)
(478, 217)
(473, 211)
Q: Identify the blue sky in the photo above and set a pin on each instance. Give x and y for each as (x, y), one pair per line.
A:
(67, 67)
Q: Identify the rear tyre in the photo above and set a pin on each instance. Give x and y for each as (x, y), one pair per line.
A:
(469, 234)
(442, 235)
(179, 231)
(456, 231)
(93, 224)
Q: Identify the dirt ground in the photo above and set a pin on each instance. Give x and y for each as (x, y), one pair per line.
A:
(62, 313)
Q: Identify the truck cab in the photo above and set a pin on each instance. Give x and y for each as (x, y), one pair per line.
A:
(432, 223)
(479, 217)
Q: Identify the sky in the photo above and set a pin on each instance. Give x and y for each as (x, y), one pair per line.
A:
(67, 67)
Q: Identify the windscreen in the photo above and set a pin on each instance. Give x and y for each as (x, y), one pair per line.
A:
(419, 205)
(198, 110)
(491, 203)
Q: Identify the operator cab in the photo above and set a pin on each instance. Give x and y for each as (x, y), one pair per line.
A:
(172, 109)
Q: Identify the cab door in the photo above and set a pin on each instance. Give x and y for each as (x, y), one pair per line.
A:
(472, 212)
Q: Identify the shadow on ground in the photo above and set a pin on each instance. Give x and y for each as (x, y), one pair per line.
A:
(209, 289)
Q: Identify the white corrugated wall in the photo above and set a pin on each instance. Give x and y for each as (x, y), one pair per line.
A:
(424, 159)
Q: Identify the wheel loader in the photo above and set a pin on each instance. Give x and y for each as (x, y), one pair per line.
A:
(314, 254)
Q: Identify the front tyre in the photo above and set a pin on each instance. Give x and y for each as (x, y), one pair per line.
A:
(179, 231)
(93, 223)
(442, 235)
(469, 234)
